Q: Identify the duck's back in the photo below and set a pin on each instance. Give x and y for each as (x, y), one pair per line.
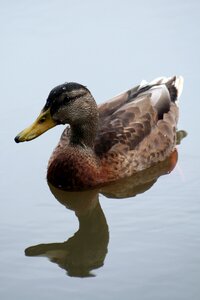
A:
(138, 128)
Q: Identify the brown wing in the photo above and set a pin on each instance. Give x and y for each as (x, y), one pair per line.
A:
(127, 119)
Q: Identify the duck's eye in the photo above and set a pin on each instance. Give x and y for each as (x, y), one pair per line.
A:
(66, 98)
(42, 120)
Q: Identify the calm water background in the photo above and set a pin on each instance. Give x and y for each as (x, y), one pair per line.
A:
(154, 238)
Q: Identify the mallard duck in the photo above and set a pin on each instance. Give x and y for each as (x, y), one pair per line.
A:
(114, 140)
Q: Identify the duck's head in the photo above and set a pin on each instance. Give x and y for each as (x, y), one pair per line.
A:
(69, 103)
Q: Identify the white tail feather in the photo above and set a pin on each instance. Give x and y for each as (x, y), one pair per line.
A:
(179, 85)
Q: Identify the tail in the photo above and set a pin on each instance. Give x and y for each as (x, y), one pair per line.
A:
(173, 84)
(164, 91)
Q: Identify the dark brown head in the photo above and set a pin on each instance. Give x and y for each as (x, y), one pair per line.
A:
(69, 103)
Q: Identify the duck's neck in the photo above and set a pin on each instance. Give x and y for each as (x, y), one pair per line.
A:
(84, 134)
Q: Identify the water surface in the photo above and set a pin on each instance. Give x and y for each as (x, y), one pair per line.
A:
(142, 247)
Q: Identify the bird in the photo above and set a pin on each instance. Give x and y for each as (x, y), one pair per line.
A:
(111, 141)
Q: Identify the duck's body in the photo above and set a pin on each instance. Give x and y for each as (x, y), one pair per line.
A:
(127, 134)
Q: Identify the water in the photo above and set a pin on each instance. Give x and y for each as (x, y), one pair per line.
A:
(149, 245)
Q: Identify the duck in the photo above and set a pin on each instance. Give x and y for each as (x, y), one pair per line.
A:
(111, 141)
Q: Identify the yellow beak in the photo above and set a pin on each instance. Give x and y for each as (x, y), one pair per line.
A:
(43, 123)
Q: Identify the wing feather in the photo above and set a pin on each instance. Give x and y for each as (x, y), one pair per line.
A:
(130, 117)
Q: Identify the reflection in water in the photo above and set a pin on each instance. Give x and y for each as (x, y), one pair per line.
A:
(87, 248)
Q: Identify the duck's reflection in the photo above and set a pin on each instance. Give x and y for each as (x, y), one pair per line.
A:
(87, 248)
